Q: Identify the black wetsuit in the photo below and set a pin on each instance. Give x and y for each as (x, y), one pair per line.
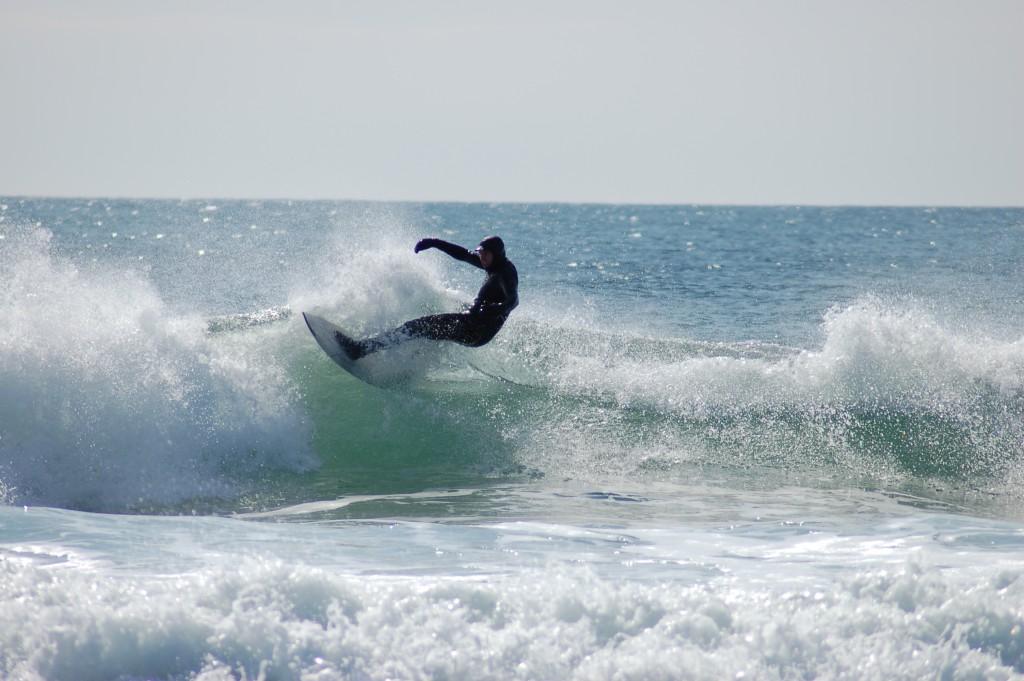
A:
(496, 299)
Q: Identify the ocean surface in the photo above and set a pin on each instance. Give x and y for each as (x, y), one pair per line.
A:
(711, 443)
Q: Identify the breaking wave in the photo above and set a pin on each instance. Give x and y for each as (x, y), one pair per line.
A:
(109, 400)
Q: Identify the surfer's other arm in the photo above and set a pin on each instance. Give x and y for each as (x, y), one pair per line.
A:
(453, 250)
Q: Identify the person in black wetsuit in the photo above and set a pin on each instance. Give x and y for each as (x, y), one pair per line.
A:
(496, 299)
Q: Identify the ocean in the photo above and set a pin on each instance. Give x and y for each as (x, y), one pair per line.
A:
(711, 443)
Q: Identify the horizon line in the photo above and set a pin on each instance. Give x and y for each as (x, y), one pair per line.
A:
(509, 202)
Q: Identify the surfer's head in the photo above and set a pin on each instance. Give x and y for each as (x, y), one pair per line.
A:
(491, 251)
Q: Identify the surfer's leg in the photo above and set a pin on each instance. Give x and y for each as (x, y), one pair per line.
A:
(432, 327)
(435, 327)
(465, 329)
(353, 348)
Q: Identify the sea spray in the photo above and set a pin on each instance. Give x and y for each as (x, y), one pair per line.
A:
(366, 276)
(108, 401)
(890, 391)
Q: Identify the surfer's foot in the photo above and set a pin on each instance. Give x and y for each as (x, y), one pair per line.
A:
(352, 348)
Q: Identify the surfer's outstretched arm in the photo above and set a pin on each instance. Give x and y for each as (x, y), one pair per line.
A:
(453, 250)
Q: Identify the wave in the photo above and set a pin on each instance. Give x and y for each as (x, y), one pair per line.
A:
(111, 401)
(891, 393)
(108, 401)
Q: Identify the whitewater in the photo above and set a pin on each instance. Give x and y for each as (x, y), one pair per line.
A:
(712, 442)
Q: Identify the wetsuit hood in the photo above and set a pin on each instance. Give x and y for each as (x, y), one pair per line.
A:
(496, 246)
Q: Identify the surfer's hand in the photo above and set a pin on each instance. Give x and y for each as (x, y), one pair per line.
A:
(424, 244)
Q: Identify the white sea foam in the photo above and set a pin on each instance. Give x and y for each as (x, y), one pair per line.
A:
(888, 380)
(873, 353)
(108, 400)
(270, 620)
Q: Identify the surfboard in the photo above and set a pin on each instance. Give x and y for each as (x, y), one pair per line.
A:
(325, 334)
(387, 375)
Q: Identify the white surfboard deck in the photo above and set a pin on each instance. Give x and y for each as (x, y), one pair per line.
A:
(325, 334)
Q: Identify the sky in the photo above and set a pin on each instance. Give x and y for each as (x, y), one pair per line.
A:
(894, 102)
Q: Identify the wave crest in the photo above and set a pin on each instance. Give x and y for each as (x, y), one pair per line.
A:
(108, 401)
(890, 391)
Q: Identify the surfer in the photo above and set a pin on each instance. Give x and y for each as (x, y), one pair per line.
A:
(474, 327)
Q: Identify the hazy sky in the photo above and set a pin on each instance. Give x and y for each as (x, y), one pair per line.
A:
(716, 101)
